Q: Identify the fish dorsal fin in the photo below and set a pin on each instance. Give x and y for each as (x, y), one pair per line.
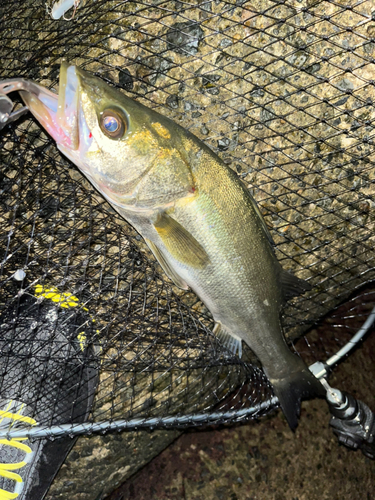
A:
(180, 243)
(166, 266)
(292, 286)
(260, 216)
(228, 339)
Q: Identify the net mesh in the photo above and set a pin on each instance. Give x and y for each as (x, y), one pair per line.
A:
(283, 91)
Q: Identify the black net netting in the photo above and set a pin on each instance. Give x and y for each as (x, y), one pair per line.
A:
(91, 328)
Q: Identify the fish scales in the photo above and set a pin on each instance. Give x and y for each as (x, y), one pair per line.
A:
(197, 217)
(241, 283)
(233, 285)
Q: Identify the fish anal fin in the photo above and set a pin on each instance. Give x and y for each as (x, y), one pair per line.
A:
(179, 282)
(228, 339)
(292, 286)
(180, 243)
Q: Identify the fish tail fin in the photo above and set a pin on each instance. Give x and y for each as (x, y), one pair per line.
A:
(292, 389)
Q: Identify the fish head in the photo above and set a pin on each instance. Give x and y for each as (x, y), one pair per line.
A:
(131, 154)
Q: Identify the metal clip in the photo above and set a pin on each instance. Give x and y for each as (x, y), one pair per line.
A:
(6, 104)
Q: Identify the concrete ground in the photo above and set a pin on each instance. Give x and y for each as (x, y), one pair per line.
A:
(264, 460)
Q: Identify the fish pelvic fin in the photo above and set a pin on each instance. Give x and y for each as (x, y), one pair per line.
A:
(292, 389)
(228, 339)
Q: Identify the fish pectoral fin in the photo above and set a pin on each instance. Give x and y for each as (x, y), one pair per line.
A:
(292, 286)
(180, 243)
(166, 266)
(228, 339)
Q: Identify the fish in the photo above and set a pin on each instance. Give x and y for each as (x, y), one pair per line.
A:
(195, 214)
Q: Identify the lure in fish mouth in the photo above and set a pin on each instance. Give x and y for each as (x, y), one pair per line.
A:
(56, 113)
(196, 216)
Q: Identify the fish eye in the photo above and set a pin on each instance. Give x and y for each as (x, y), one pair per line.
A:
(113, 124)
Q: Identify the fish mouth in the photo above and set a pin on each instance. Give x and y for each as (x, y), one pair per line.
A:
(57, 113)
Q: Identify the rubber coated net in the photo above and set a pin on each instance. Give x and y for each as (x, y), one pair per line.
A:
(284, 92)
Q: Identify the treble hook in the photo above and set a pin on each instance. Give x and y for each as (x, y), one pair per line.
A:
(6, 104)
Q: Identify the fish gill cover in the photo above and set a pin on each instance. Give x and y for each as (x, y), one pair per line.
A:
(283, 92)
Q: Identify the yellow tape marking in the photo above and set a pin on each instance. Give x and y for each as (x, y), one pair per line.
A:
(65, 299)
(82, 340)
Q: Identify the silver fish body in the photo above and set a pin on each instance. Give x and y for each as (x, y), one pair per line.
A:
(197, 217)
(242, 283)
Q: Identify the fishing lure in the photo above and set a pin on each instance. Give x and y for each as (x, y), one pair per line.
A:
(61, 7)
